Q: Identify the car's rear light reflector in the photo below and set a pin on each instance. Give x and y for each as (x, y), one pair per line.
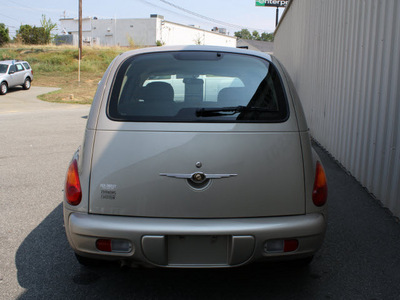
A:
(279, 246)
(111, 245)
(103, 245)
(320, 190)
(274, 246)
(290, 245)
(73, 191)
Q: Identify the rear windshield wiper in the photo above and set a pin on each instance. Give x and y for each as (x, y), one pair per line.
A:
(231, 110)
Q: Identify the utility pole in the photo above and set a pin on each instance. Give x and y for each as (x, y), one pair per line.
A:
(80, 40)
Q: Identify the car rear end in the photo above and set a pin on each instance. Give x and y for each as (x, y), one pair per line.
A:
(195, 157)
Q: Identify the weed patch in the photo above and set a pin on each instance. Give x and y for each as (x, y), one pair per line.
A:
(57, 66)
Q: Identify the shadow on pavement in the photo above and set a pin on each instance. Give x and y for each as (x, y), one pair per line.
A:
(359, 260)
(47, 269)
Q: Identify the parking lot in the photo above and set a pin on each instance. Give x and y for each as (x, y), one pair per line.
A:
(359, 259)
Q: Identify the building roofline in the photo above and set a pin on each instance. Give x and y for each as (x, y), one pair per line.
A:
(162, 20)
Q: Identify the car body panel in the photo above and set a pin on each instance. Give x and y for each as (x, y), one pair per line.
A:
(128, 164)
(149, 237)
(139, 183)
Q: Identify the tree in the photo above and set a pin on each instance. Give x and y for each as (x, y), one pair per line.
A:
(256, 35)
(32, 35)
(244, 34)
(4, 34)
(267, 37)
(37, 35)
(48, 28)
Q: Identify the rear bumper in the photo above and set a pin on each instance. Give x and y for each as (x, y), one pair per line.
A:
(156, 241)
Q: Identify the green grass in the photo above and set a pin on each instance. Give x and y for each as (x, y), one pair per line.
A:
(57, 66)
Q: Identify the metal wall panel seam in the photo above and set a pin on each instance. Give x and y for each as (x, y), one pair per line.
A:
(362, 91)
(349, 129)
(396, 195)
(372, 124)
(357, 93)
(368, 99)
(336, 77)
(385, 113)
(379, 120)
(343, 82)
(394, 98)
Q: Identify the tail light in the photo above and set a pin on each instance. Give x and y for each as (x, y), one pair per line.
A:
(73, 191)
(320, 191)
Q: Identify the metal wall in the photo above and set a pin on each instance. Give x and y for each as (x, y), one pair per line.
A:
(344, 59)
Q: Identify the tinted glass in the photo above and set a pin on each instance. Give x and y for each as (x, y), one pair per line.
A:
(3, 68)
(27, 66)
(197, 87)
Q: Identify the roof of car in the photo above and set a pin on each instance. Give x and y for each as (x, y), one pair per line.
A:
(196, 48)
(10, 62)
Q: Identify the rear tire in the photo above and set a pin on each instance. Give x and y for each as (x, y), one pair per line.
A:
(27, 84)
(3, 88)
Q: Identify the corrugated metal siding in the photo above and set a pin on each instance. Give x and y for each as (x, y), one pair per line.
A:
(344, 59)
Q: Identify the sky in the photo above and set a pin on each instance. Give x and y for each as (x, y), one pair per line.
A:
(233, 15)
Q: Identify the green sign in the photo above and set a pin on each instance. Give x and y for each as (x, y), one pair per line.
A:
(274, 3)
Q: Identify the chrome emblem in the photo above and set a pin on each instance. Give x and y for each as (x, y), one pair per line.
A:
(199, 164)
(197, 177)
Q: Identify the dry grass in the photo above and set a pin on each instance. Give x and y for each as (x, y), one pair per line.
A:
(71, 90)
(57, 66)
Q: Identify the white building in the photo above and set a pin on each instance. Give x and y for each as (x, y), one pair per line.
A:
(141, 32)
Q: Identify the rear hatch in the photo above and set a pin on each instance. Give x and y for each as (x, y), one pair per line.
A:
(200, 154)
(266, 174)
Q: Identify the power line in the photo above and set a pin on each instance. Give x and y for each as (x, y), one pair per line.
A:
(208, 18)
(9, 17)
(19, 4)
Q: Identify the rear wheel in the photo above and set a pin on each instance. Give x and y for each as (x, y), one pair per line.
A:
(27, 84)
(3, 88)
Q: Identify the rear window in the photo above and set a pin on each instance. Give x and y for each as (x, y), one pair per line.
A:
(197, 87)
(27, 66)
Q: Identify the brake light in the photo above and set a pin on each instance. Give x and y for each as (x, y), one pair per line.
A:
(320, 190)
(73, 191)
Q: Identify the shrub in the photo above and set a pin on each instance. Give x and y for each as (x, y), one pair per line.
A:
(4, 34)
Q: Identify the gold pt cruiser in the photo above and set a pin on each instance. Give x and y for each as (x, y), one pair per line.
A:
(195, 156)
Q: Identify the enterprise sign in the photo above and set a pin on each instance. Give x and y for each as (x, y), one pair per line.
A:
(274, 3)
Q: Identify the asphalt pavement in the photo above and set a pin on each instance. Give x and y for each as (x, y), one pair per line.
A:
(360, 258)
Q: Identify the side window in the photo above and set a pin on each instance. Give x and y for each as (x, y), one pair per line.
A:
(27, 66)
(12, 69)
(19, 67)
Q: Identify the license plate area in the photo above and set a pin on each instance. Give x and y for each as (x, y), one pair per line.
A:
(187, 250)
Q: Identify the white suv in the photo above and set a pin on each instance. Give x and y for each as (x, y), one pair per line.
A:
(14, 73)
